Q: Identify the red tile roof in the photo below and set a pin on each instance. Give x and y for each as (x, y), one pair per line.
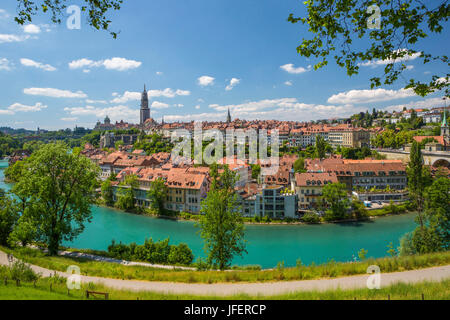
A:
(315, 179)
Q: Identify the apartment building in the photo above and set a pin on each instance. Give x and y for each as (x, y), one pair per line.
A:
(348, 137)
(185, 189)
(276, 202)
(363, 174)
(272, 201)
(309, 186)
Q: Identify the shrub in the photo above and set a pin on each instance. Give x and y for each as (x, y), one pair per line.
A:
(311, 217)
(160, 252)
(22, 272)
(180, 254)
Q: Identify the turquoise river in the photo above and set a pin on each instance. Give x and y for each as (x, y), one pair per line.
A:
(267, 245)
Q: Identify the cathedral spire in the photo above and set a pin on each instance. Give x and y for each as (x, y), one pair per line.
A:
(229, 116)
(145, 110)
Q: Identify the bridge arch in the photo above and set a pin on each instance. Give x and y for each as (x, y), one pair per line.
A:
(441, 163)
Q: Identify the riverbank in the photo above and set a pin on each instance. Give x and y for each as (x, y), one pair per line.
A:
(328, 270)
(184, 216)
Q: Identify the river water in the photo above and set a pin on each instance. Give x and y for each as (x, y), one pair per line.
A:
(267, 245)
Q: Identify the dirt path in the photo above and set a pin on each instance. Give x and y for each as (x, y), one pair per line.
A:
(254, 289)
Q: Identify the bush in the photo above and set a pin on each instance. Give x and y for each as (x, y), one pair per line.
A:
(153, 252)
(20, 271)
(311, 217)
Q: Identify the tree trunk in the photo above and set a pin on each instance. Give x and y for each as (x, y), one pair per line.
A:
(53, 244)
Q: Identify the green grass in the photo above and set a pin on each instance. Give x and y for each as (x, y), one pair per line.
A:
(329, 270)
(400, 291)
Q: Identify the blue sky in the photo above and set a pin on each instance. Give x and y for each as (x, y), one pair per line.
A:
(197, 57)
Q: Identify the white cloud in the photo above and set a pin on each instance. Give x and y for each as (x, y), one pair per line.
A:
(54, 93)
(133, 96)
(289, 68)
(69, 119)
(179, 105)
(368, 96)
(32, 29)
(159, 73)
(116, 113)
(5, 64)
(180, 92)
(121, 64)
(127, 96)
(205, 81)
(427, 103)
(197, 107)
(12, 38)
(82, 63)
(233, 82)
(34, 64)
(288, 83)
(405, 58)
(116, 63)
(159, 105)
(96, 101)
(18, 107)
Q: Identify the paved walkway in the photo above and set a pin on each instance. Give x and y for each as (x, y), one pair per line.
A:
(264, 289)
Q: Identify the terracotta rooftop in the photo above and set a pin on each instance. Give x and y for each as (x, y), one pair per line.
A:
(315, 179)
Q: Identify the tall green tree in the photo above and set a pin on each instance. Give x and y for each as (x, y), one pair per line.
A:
(126, 193)
(299, 165)
(335, 201)
(437, 209)
(321, 146)
(417, 178)
(57, 189)
(8, 217)
(158, 194)
(434, 233)
(338, 26)
(221, 225)
(108, 192)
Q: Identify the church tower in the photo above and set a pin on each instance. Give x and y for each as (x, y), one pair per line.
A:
(229, 116)
(145, 110)
(444, 127)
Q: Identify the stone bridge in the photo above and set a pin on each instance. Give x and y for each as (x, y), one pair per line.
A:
(434, 158)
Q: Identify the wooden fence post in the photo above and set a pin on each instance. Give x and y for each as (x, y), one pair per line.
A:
(423, 296)
(389, 297)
